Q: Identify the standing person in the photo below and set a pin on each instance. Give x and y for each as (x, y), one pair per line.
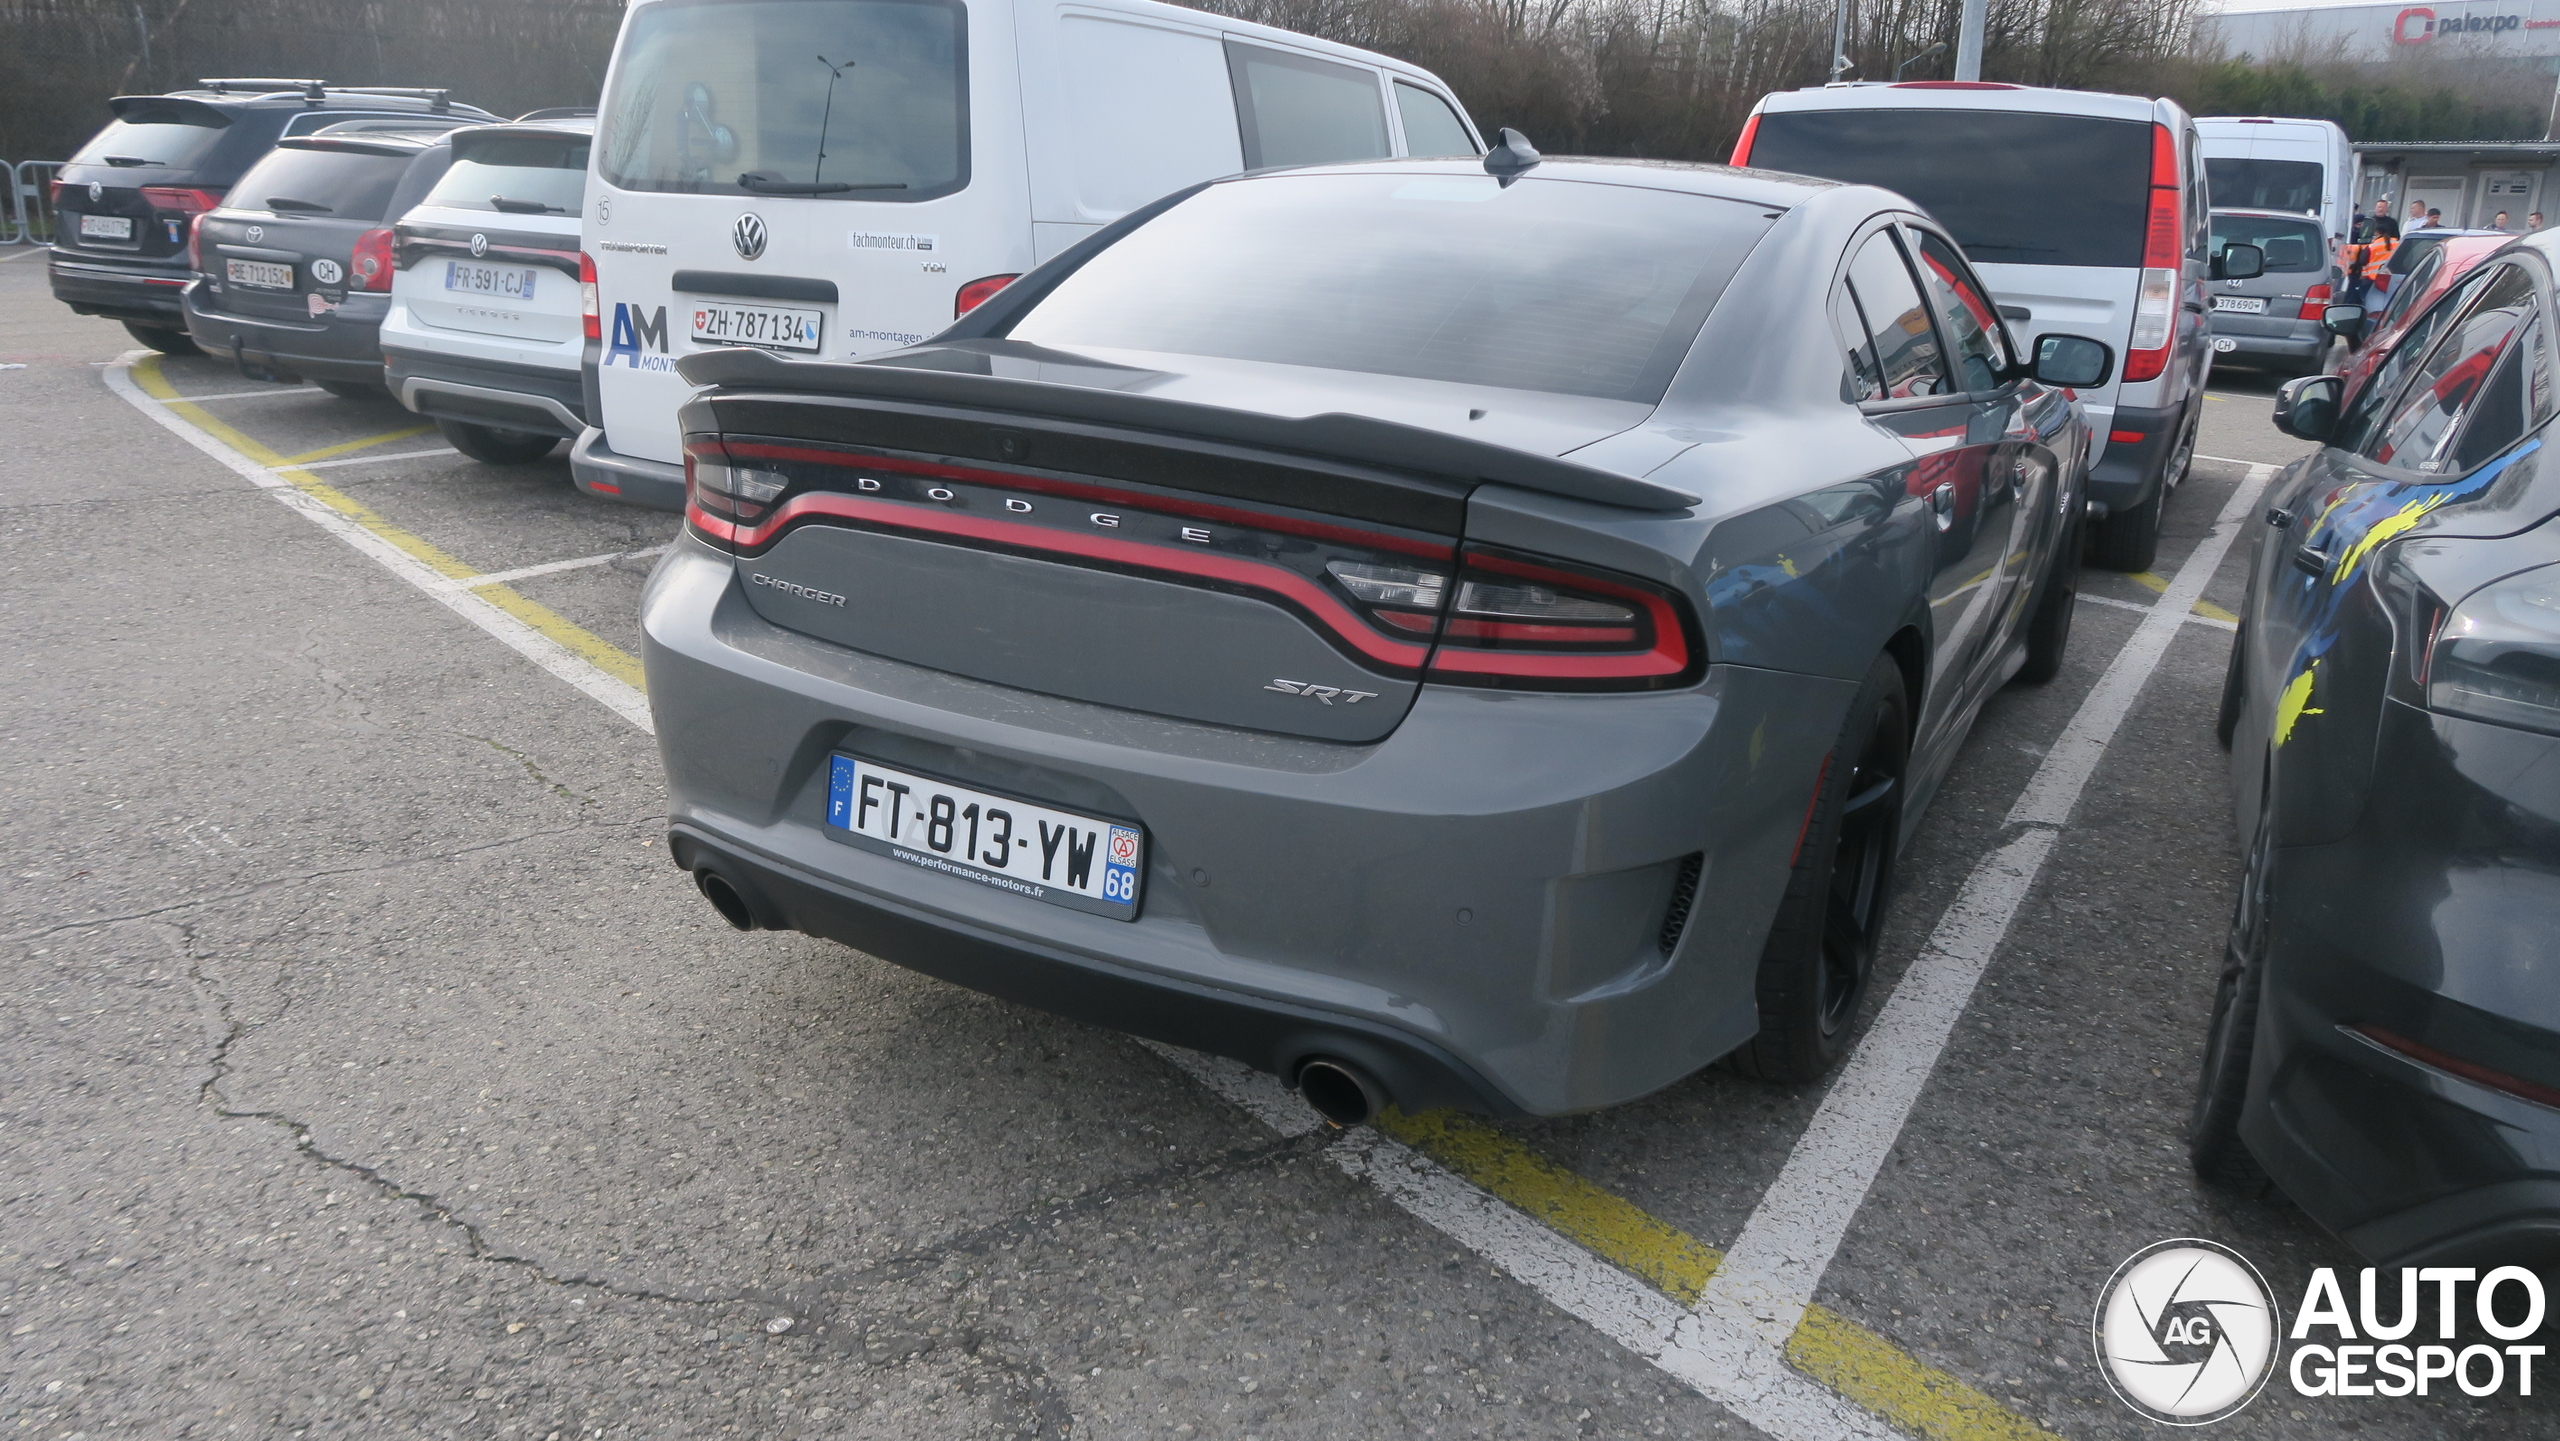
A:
(2499, 222)
(2416, 218)
(2435, 217)
(2533, 222)
(2377, 271)
(2367, 226)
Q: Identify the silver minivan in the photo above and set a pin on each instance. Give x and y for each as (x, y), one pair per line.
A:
(2271, 321)
(2083, 212)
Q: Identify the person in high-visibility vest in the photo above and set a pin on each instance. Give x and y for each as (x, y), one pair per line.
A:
(2377, 271)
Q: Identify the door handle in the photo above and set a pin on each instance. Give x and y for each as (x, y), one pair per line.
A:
(1942, 504)
(2311, 560)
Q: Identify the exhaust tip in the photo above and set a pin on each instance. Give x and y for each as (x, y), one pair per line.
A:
(1340, 1092)
(725, 899)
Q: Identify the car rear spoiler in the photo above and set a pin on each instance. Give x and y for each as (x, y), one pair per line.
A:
(1355, 438)
(168, 110)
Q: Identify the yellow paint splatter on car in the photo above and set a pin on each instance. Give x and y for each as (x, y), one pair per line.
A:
(2381, 531)
(2290, 705)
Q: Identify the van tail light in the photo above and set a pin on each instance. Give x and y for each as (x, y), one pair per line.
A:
(979, 292)
(370, 268)
(587, 296)
(195, 242)
(2315, 303)
(180, 199)
(1523, 623)
(2155, 305)
(1742, 143)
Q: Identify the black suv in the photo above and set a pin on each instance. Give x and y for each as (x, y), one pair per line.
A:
(123, 204)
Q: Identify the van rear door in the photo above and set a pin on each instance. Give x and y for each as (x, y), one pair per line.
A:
(820, 179)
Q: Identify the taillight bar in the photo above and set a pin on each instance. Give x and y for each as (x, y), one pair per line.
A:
(179, 198)
(2472, 1071)
(1742, 142)
(588, 310)
(2155, 306)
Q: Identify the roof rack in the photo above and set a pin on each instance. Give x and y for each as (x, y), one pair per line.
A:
(436, 99)
(311, 89)
(559, 112)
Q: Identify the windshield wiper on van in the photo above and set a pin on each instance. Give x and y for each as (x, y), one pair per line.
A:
(525, 207)
(127, 162)
(308, 207)
(765, 182)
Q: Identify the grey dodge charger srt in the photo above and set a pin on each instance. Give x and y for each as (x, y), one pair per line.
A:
(1447, 633)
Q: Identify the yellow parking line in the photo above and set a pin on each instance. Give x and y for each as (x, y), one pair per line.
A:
(1827, 1346)
(2204, 608)
(370, 441)
(2152, 583)
(586, 645)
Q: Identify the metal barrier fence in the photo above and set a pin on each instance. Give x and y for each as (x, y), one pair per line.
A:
(26, 202)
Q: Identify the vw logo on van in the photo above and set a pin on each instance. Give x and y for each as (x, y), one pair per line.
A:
(97, 191)
(748, 236)
(479, 246)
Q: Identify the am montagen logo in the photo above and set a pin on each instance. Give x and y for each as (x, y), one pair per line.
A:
(2187, 1332)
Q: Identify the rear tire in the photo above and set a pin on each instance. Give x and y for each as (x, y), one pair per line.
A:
(2128, 540)
(1822, 947)
(2214, 1146)
(352, 389)
(2049, 629)
(494, 446)
(163, 339)
(2235, 688)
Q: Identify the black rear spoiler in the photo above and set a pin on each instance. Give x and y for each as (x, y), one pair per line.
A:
(1355, 438)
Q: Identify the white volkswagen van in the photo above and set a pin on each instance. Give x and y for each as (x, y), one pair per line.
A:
(2256, 162)
(835, 178)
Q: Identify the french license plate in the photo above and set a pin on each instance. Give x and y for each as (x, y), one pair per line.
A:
(106, 227)
(512, 282)
(1036, 851)
(2241, 304)
(773, 327)
(264, 274)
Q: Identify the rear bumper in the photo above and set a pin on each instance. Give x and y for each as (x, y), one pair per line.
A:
(1474, 905)
(341, 344)
(487, 392)
(2288, 349)
(2138, 443)
(145, 293)
(598, 470)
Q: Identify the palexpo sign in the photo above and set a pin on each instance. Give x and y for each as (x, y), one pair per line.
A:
(2418, 24)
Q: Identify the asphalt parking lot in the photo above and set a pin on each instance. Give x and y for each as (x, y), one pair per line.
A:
(370, 1071)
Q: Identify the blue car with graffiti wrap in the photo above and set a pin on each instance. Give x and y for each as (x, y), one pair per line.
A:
(2385, 1044)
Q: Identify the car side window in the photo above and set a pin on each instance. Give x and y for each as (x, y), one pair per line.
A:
(1896, 322)
(2358, 426)
(2502, 413)
(1294, 109)
(1430, 126)
(1859, 377)
(2417, 432)
(1973, 324)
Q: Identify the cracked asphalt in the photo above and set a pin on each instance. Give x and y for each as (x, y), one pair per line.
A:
(368, 1070)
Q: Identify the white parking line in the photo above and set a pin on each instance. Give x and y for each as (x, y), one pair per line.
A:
(508, 577)
(2135, 605)
(369, 459)
(1772, 1270)
(235, 395)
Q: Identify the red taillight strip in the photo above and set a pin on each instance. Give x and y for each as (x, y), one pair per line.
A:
(1668, 656)
(1742, 142)
(1206, 565)
(2472, 1071)
(1162, 505)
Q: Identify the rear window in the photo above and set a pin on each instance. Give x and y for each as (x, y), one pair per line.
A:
(845, 99)
(1542, 285)
(2014, 189)
(341, 184)
(136, 143)
(515, 174)
(2292, 246)
(1298, 110)
(2265, 184)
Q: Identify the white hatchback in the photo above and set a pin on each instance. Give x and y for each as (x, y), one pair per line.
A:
(485, 335)
(836, 178)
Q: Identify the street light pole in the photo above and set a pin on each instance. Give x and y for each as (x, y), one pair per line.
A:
(1969, 40)
(1840, 42)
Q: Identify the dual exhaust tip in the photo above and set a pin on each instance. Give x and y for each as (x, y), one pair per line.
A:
(1338, 1090)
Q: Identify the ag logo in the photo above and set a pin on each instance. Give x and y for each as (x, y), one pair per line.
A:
(2186, 1332)
(327, 272)
(748, 236)
(479, 246)
(257, 233)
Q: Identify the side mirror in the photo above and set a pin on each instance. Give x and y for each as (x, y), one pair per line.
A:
(2072, 362)
(2307, 408)
(2344, 320)
(2239, 261)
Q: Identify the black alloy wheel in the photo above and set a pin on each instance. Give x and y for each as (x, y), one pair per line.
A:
(1821, 952)
(2214, 1146)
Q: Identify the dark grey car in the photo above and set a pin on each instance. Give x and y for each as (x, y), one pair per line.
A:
(2271, 321)
(1443, 637)
(294, 270)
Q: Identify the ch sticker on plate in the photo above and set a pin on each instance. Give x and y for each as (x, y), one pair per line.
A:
(1065, 858)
